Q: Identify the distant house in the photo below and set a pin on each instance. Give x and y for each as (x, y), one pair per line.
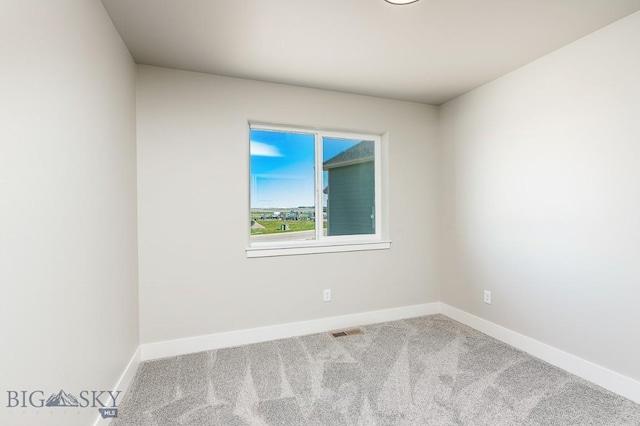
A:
(351, 191)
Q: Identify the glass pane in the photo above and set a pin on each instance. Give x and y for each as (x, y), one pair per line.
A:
(282, 186)
(348, 182)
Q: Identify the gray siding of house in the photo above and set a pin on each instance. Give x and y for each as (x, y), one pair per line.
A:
(351, 200)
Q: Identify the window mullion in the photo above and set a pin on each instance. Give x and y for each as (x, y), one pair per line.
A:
(319, 189)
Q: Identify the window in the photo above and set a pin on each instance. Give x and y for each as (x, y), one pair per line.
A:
(313, 191)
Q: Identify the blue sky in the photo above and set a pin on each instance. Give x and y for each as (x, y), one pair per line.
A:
(282, 167)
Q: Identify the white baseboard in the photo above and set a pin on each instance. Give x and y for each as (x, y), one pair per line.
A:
(615, 382)
(281, 331)
(123, 382)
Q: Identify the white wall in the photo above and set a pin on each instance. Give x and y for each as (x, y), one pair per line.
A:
(542, 199)
(193, 182)
(68, 253)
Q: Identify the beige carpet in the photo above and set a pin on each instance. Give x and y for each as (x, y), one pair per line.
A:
(423, 371)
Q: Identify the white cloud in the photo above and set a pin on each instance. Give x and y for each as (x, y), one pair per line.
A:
(260, 149)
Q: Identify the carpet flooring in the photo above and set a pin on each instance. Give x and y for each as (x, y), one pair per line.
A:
(422, 371)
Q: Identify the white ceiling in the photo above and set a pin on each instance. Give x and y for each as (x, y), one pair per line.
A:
(430, 51)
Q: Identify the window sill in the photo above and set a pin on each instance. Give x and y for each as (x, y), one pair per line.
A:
(316, 248)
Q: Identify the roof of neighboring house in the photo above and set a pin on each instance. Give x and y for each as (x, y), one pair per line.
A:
(360, 153)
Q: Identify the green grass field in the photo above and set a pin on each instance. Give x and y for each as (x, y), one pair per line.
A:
(273, 226)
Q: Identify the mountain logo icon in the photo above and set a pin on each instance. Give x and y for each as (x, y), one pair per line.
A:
(62, 399)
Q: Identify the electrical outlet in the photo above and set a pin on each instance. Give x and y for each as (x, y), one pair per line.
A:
(326, 296)
(487, 297)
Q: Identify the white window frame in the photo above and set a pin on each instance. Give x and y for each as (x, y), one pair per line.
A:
(322, 243)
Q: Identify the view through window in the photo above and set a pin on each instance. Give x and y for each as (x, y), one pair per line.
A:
(312, 186)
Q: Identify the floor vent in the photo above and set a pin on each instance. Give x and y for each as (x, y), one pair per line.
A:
(351, 332)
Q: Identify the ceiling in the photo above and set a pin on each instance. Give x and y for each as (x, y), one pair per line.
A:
(430, 51)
